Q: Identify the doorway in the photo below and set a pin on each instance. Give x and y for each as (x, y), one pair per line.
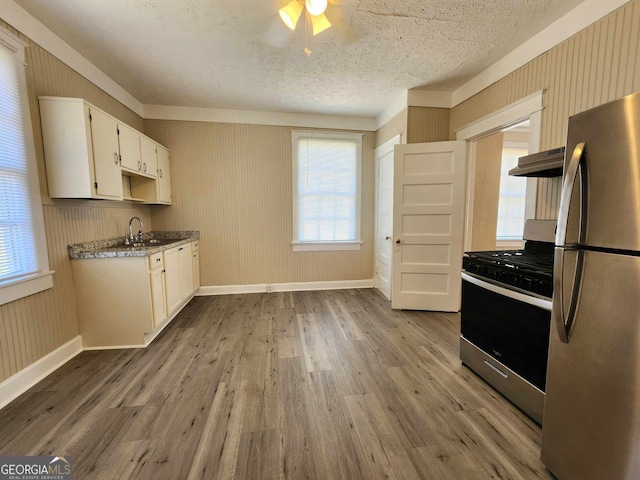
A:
(489, 133)
(384, 216)
(499, 200)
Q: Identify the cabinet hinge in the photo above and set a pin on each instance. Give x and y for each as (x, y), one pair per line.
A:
(96, 184)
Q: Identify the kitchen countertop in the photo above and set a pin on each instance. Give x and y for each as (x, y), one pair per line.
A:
(115, 247)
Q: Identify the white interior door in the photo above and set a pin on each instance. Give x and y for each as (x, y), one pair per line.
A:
(428, 224)
(384, 216)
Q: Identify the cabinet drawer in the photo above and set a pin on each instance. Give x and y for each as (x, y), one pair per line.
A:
(155, 260)
(195, 246)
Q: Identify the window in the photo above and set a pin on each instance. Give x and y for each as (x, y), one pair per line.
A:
(24, 268)
(326, 190)
(512, 196)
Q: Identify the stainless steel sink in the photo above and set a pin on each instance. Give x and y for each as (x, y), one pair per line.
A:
(159, 241)
(152, 242)
(149, 243)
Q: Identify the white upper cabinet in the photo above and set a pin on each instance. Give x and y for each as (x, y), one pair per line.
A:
(149, 156)
(164, 176)
(90, 154)
(104, 138)
(81, 150)
(129, 141)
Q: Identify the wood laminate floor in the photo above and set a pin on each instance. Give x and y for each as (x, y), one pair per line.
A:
(313, 385)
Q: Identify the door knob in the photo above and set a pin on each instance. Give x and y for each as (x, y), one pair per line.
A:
(387, 237)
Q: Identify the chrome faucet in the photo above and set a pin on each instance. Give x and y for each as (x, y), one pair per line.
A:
(132, 238)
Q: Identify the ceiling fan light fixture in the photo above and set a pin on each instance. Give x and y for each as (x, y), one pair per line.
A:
(316, 7)
(319, 23)
(290, 14)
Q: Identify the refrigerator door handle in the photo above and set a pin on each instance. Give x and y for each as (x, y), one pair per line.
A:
(567, 192)
(564, 326)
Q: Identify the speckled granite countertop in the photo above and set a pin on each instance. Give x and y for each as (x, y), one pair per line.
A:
(115, 247)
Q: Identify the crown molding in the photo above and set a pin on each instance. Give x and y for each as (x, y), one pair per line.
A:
(310, 120)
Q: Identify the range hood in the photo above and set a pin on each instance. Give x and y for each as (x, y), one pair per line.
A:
(542, 164)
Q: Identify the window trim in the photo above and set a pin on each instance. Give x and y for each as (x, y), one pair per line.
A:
(16, 288)
(316, 246)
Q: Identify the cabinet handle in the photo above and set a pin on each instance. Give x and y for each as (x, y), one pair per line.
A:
(160, 171)
(115, 157)
(139, 165)
(144, 167)
(157, 259)
(181, 248)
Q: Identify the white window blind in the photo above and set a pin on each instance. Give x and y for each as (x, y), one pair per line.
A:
(512, 197)
(24, 266)
(17, 246)
(327, 188)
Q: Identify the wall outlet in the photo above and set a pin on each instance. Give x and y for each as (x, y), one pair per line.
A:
(269, 288)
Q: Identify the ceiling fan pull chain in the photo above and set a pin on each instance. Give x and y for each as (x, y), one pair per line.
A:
(306, 34)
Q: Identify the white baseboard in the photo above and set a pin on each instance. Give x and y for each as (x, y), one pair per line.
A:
(283, 287)
(17, 384)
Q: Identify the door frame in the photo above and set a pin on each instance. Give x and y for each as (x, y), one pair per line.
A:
(381, 150)
(529, 107)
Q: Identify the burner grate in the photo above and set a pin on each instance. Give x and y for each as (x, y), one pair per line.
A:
(537, 261)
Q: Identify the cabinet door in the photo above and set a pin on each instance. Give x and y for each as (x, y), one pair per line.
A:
(196, 270)
(149, 157)
(164, 176)
(186, 271)
(129, 141)
(158, 298)
(172, 278)
(104, 137)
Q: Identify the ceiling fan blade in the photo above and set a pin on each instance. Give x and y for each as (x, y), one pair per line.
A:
(319, 23)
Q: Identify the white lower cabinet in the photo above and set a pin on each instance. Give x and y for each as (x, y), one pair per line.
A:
(158, 296)
(186, 270)
(195, 255)
(172, 278)
(124, 300)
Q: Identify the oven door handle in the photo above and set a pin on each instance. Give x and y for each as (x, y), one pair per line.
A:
(521, 297)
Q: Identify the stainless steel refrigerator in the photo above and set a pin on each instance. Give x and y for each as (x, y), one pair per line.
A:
(591, 423)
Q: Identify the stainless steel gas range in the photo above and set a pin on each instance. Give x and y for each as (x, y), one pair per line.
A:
(506, 316)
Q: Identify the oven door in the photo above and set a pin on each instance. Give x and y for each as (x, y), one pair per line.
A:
(510, 326)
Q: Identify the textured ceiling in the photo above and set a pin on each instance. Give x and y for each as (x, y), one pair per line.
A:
(238, 54)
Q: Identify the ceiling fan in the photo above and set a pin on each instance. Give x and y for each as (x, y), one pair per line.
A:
(314, 14)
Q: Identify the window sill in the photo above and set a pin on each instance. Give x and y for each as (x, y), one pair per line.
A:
(13, 290)
(324, 247)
